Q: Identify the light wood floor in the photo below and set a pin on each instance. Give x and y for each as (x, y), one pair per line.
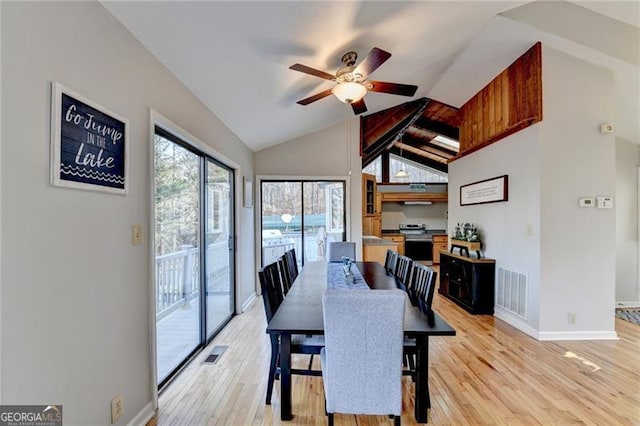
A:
(489, 374)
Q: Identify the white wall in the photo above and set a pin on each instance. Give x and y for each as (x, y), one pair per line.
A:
(328, 152)
(394, 214)
(578, 245)
(626, 201)
(504, 224)
(75, 293)
(571, 255)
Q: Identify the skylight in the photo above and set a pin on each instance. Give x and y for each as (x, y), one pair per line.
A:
(445, 140)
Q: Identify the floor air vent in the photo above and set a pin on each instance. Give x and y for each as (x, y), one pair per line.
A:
(512, 291)
(215, 354)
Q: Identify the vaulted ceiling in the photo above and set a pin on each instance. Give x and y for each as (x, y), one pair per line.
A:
(411, 130)
(234, 56)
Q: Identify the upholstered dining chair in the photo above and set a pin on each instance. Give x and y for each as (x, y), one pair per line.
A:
(339, 249)
(362, 358)
(272, 296)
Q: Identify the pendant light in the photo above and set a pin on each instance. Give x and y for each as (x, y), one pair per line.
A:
(401, 173)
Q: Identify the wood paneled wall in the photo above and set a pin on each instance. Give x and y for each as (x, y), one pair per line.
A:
(509, 103)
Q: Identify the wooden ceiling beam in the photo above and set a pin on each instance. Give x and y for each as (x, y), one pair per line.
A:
(438, 127)
(422, 153)
(420, 159)
(427, 145)
(420, 133)
(379, 130)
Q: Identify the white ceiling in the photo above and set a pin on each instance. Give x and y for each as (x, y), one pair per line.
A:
(234, 56)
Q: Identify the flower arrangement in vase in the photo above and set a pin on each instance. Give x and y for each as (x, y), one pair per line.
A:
(466, 237)
(466, 232)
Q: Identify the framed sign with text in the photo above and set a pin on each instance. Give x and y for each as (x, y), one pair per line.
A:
(485, 191)
(89, 144)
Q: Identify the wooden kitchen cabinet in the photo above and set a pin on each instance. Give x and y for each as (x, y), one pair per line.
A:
(371, 207)
(369, 191)
(375, 250)
(372, 225)
(400, 197)
(440, 242)
(397, 238)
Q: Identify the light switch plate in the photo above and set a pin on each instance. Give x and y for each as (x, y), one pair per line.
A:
(604, 202)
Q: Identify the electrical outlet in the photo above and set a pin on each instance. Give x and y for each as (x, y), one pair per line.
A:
(136, 235)
(572, 318)
(117, 408)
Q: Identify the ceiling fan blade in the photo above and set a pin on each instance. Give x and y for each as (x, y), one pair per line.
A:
(372, 61)
(359, 107)
(312, 71)
(317, 96)
(393, 88)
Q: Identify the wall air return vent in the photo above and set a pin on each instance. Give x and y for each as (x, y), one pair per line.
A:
(513, 291)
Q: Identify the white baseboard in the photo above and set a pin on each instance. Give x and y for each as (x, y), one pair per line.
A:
(577, 335)
(143, 416)
(627, 304)
(247, 303)
(553, 335)
(516, 322)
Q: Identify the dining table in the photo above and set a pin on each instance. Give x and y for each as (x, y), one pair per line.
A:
(301, 313)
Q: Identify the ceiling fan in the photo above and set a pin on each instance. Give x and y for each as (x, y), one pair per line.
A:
(352, 83)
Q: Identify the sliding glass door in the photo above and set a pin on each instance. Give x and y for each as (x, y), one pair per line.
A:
(194, 267)
(219, 247)
(301, 214)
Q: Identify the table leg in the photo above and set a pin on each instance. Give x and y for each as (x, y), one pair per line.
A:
(285, 376)
(422, 400)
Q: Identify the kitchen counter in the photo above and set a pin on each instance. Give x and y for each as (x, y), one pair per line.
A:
(428, 232)
(374, 249)
(375, 241)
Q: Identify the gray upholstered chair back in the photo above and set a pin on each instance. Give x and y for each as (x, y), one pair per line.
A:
(362, 358)
(337, 249)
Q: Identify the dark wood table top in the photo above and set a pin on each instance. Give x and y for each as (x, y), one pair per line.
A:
(301, 310)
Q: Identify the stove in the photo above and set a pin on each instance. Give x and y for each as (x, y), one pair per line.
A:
(413, 231)
(418, 240)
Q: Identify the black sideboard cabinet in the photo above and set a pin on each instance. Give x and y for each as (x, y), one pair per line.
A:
(469, 282)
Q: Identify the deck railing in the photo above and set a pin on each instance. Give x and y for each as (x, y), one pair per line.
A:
(178, 276)
(177, 279)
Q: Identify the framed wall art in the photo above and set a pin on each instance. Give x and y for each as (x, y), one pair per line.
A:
(485, 191)
(89, 144)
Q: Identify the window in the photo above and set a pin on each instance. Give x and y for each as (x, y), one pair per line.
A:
(375, 168)
(417, 172)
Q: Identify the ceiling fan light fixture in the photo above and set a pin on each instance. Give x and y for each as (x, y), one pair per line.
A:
(349, 92)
